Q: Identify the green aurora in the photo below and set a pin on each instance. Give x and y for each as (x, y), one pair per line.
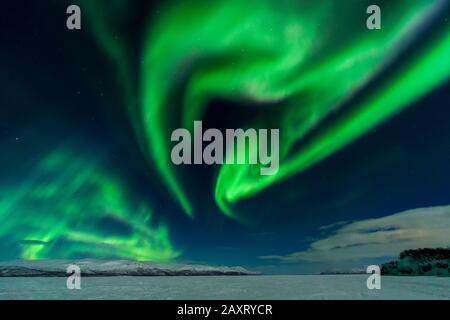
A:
(310, 68)
(72, 198)
(283, 52)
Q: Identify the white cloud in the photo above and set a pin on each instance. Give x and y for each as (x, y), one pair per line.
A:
(382, 237)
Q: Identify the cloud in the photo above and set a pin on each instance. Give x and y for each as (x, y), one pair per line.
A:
(382, 237)
(333, 225)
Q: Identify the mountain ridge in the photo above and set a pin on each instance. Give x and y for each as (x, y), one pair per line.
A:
(105, 268)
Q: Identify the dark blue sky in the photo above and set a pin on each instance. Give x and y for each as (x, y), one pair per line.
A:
(57, 87)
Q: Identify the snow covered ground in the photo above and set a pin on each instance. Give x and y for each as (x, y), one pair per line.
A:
(227, 287)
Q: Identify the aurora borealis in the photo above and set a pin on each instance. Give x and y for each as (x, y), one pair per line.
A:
(85, 124)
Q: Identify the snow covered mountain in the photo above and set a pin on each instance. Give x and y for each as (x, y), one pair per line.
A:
(428, 262)
(58, 268)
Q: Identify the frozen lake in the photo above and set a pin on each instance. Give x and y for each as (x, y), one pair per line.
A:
(227, 287)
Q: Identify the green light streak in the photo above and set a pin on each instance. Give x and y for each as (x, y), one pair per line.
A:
(271, 52)
(395, 94)
(308, 57)
(61, 207)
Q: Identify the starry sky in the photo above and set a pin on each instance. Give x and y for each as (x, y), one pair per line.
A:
(86, 118)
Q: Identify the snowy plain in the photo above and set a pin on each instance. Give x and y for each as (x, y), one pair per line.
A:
(301, 287)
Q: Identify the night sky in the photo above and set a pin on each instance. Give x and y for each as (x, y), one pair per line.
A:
(86, 117)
